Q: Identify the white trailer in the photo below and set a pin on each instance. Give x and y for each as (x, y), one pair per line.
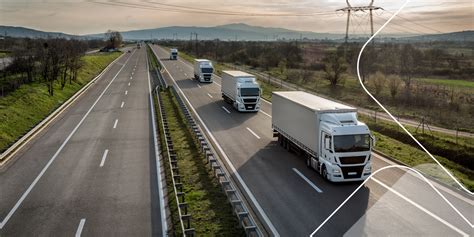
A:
(241, 90)
(325, 132)
(203, 70)
(174, 54)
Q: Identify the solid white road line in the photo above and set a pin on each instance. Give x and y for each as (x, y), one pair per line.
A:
(80, 227)
(226, 110)
(126, 92)
(259, 208)
(164, 224)
(33, 184)
(250, 130)
(420, 207)
(121, 106)
(199, 86)
(263, 112)
(104, 156)
(308, 181)
(115, 124)
(210, 95)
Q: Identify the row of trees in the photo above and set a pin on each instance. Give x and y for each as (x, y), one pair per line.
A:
(44, 60)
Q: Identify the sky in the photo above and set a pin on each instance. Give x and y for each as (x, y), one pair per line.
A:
(97, 16)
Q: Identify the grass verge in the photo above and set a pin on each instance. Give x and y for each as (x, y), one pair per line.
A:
(25, 107)
(211, 212)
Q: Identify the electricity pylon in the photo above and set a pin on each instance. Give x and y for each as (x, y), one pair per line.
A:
(350, 9)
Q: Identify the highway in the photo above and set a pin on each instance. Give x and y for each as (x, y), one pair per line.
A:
(93, 171)
(292, 200)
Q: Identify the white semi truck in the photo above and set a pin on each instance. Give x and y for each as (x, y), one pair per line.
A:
(325, 132)
(203, 70)
(241, 90)
(174, 54)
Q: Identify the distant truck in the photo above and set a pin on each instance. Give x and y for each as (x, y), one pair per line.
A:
(241, 90)
(174, 54)
(327, 133)
(203, 70)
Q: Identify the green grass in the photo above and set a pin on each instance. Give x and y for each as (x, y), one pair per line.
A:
(3, 54)
(211, 213)
(462, 84)
(418, 159)
(25, 107)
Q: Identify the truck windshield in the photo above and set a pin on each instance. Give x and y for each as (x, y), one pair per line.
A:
(249, 91)
(206, 70)
(352, 143)
(174, 53)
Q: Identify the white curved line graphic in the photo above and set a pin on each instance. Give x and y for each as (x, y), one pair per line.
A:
(388, 167)
(391, 116)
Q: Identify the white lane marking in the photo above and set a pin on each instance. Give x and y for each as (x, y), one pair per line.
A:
(199, 86)
(131, 78)
(226, 110)
(115, 124)
(420, 207)
(210, 95)
(308, 181)
(217, 83)
(126, 92)
(129, 84)
(263, 112)
(260, 210)
(132, 73)
(121, 106)
(32, 185)
(104, 156)
(190, 78)
(185, 74)
(80, 227)
(157, 152)
(250, 130)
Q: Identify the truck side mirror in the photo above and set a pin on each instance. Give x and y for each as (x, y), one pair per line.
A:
(372, 138)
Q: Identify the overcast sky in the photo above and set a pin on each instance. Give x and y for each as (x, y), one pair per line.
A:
(96, 16)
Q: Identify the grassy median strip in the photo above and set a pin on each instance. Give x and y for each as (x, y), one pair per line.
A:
(211, 213)
(25, 107)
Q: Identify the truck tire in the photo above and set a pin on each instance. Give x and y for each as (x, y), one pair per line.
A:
(324, 173)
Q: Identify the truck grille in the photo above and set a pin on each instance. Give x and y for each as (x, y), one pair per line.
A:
(250, 100)
(251, 106)
(350, 160)
(352, 172)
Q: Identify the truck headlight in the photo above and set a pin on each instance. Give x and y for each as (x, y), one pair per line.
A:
(368, 168)
(336, 171)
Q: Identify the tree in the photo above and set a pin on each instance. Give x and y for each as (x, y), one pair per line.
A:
(393, 85)
(409, 62)
(334, 68)
(378, 82)
(113, 39)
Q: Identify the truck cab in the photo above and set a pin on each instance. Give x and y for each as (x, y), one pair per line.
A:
(345, 148)
(174, 54)
(203, 70)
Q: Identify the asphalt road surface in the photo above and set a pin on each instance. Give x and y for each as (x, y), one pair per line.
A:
(93, 171)
(292, 200)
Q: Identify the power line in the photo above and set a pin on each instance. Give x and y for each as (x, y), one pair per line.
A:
(184, 9)
(416, 23)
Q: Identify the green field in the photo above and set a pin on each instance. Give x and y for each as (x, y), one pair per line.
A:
(462, 84)
(210, 210)
(25, 107)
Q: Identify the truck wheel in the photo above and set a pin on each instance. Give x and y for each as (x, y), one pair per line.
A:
(325, 173)
(308, 162)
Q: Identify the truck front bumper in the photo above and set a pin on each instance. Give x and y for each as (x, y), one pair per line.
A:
(349, 173)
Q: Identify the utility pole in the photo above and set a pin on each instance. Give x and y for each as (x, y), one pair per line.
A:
(350, 9)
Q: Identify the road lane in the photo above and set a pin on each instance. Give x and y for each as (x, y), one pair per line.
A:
(267, 169)
(118, 197)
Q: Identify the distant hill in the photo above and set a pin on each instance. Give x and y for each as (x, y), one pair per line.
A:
(15, 31)
(463, 36)
(238, 31)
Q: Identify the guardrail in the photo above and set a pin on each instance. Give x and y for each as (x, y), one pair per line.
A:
(229, 188)
(184, 216)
